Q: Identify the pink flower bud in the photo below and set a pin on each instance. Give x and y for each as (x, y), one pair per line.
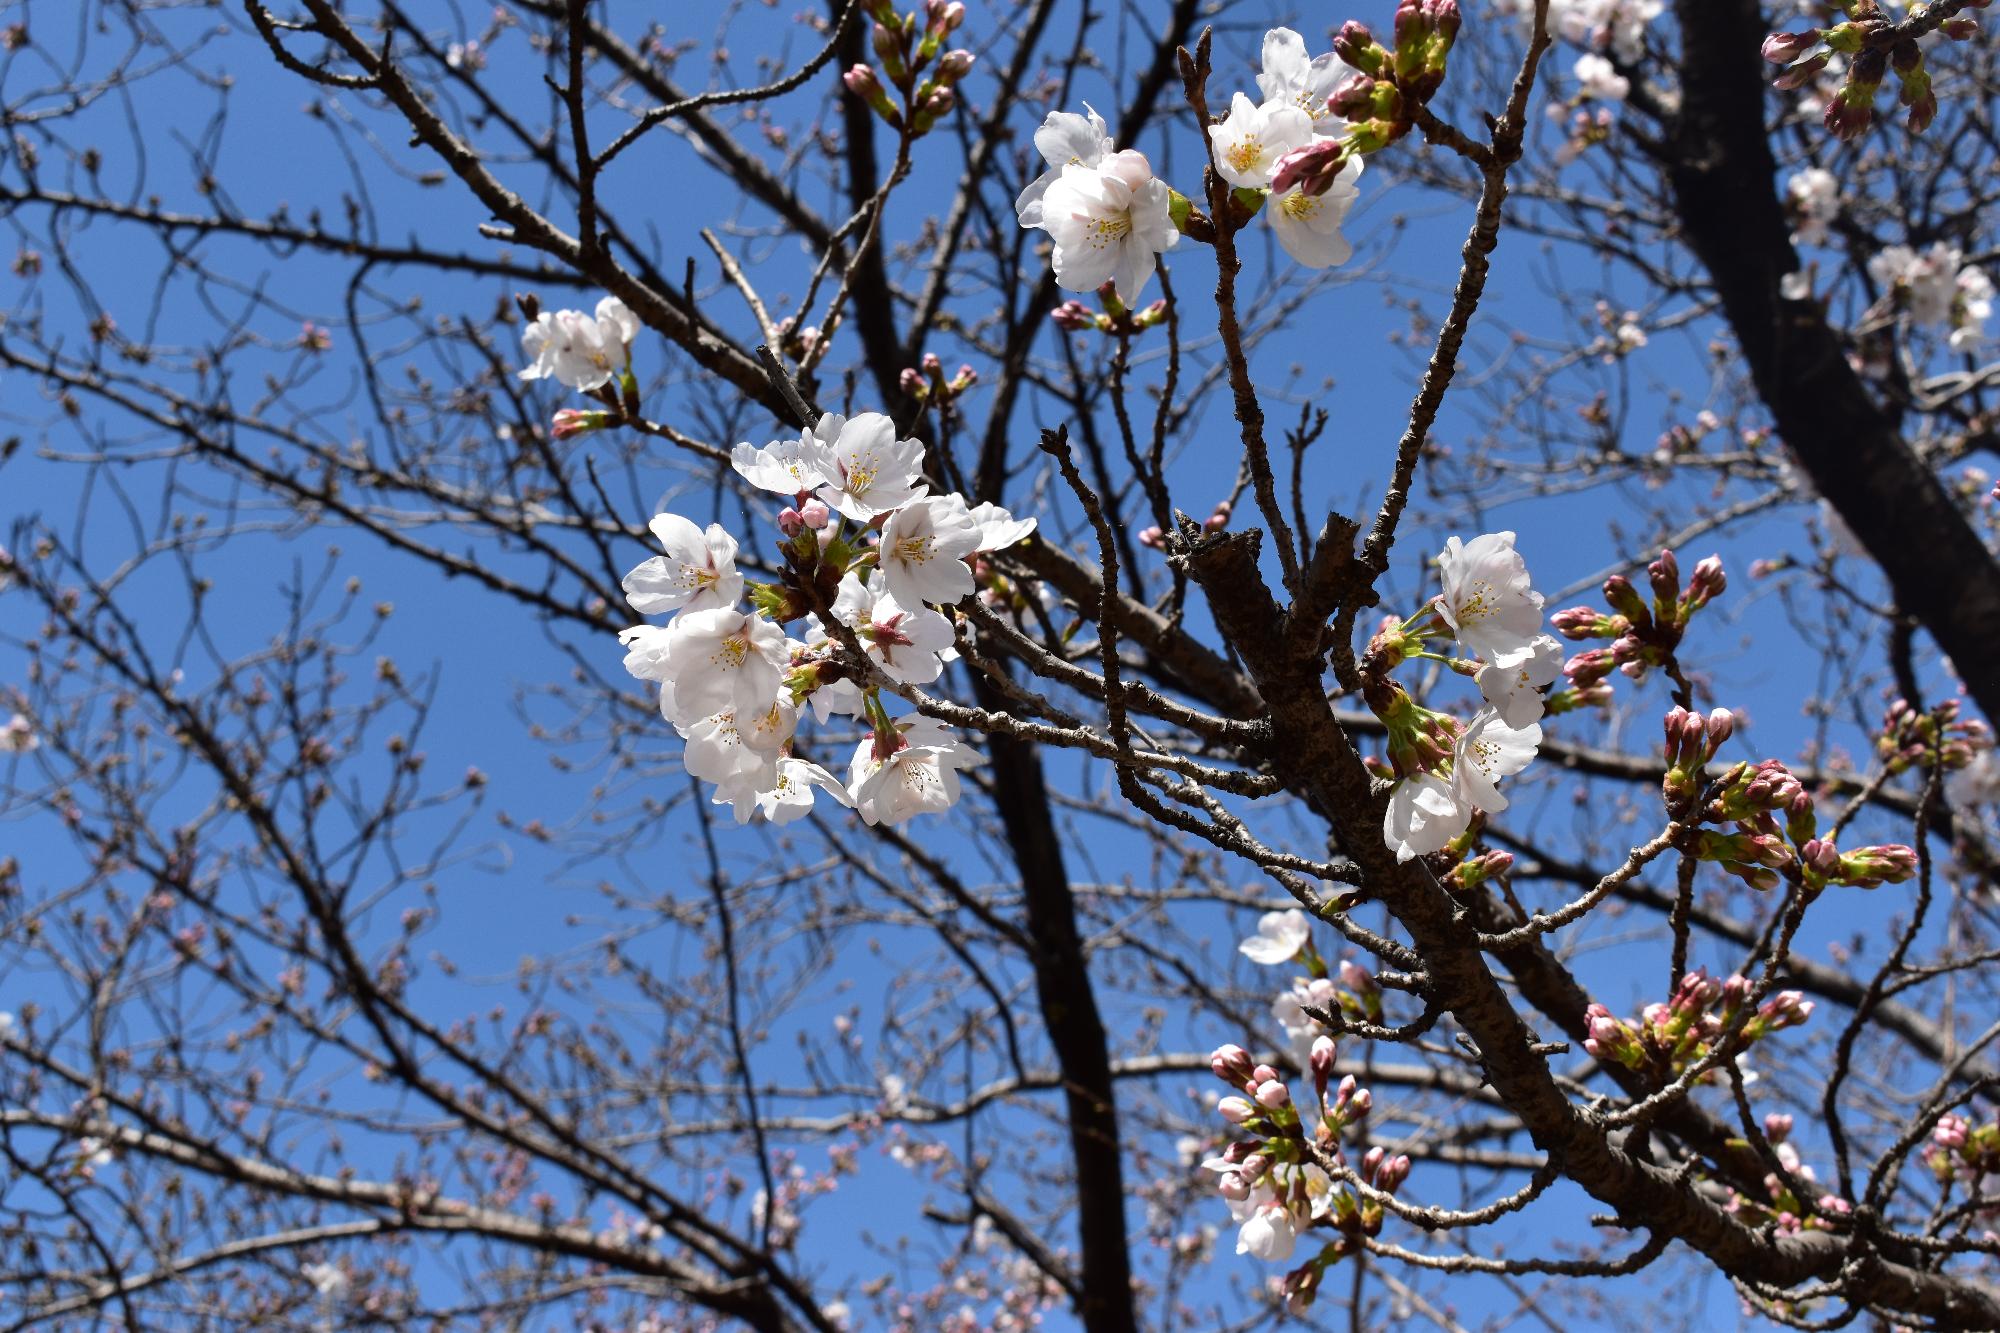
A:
(1263, 1074)
(1782, 48)
(1230, 1185)
(815, 514)
(789, 522)
(1313, 168)
(1235, 1110)
(861, 81)
(912, 382)
(1323, 1053)
(1777, 1127)
(1580, 622)
(955, 66)
(1361, 1102)
(1951, 1132)
(1074, 316)
(1273, 1095)
(1231, 1064)
(1153, 537)
(1799, 75)
(571, 422)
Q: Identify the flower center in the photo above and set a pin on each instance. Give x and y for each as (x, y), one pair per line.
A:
(1246, 153)
(1110, 230)
(1299, 205)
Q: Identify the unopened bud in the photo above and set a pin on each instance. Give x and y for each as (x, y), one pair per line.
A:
(789, 522)
(1273, 1095)
(955, 66)
(1357, 47)
(1313, 168)
(1782, 48)
(1232, 1064)
(1235, 1110)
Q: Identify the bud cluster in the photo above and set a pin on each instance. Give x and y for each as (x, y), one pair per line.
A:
(1873, 46)
(1273, 1181)
(1782, 1207)
(1380, 99)
(1910, 739)
(1643, 635)
(928, 384)
(1668, 1038)
(1756, 798)
(1959, 1151)
(1151, 537)
(1073, 316)
(907, 45)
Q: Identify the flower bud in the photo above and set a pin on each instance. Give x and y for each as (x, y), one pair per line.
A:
(789, 521)
(1951, 1131)
(1354, 99)
(913, 383)
(1232, 1186)
(1799, 75)
(1960, 29)
(1869, 867)
(1235, 1110)
(1323, 1054)
(1782, 48)
(571, 422)
(1777, 1127)
(815, 514)
(1624, 599)
(1665, 576)
(1357, 47)
(1313, 168)
(1074, 316)
(1152, 536)
(955, 66)
(861, 81)
(1273, 1095)
(1706, 583)
(1232, 1064)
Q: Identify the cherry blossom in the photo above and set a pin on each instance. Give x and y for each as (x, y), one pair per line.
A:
(789, 467)
(716, 660)
(1938, 290)
(999, 529)
(1249, 142)
(1597, 78)
(904, 640)
(1064, 139)
(1512, 682)
(868, 470)
(1279, 937)
(1308, 225)
(920, 777)
(579, 350)
(787, 794)
(923, 551)
(18, 736)
(1107, 222)
(1289, 77)
(1425, 812)
(1486, 599)
(698, 571)
(1814, 198)
(719, 753)
(1267, 1231)
(327, 1280)
(1488, 750)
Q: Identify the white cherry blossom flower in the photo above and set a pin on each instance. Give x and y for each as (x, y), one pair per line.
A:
(999, 529)
(924, 548)
(327, 1280)
(1599, 79)
(1268, 1233)
(1814, 196)
(18, 736)
(717, 752)
(1512, 682)
(787, 794)
(1425, 812)
(1487, 600)
(868, 470)
(1978, 783)
(788, 467)
(1279, 937)
(698, 571)
(579, 350)
(1107, 222)
(1486, 751)
(1291, 78)
(1938, 289)
(1249, 142)
(904, 640)
(722, 659)
(1308, 225)
(1064, 139)
(921, 777)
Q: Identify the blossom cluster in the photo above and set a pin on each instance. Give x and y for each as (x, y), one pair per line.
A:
(1294, 153)
(1667, 1039)
(583, 352)
(1937, 289)
(1782, 1206)
(1447, 769)
(1350, 990)
(869, 555)
(1611, 33)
